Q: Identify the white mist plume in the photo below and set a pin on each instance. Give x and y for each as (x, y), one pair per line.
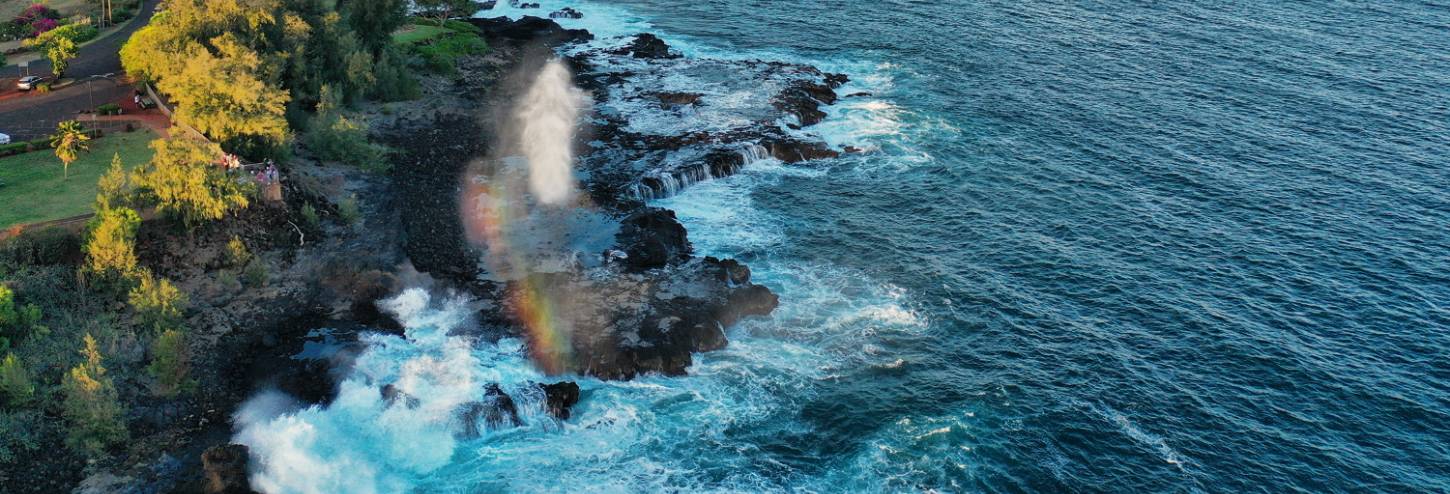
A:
(546, 117)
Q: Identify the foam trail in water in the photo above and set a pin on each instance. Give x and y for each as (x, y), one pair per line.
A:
(546, 118)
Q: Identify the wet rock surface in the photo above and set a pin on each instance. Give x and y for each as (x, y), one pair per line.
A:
(225, 470)
(646, 45)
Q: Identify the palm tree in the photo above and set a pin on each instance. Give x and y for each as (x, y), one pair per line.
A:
(69, 140)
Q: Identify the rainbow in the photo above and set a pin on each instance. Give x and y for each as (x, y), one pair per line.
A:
(488, 213)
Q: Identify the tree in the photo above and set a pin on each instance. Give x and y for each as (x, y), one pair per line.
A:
(15, 381)
(59, 50)
(114, 188)
(375, 20)
(185, 181)
(91, 406)
(110, 243)
(8, 315)
(170, 363)
(69, 140)
(445, 9)
(157, 302)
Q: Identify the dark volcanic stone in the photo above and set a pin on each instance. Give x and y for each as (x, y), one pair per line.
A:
(648, 46)
(803, 99)
(653, 238)
(433, 157)
(530, 28)
(794, 151)
(225, 470)
(495, 411)
(560, 397)
(670, 99)
(391, 394)
(566, 13)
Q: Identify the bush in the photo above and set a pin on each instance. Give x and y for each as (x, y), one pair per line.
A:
(255, 274)
(228, 281)
(109, 109)
(310, 218)
(15, 381)
(111, 244)
(333, 136)
(91, 405)
(441, 54)
(170, 363)
(392, 79)
(462, 26)
(348, 211)
(237, 254)
(79, 32)
(42, 247)
(157, 302)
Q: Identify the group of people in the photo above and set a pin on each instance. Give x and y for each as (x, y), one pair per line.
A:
(267, 175)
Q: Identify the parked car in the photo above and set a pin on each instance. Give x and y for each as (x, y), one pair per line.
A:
(4, 139)
(29, 82)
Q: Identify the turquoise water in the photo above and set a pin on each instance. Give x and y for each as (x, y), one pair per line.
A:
(1095, 247)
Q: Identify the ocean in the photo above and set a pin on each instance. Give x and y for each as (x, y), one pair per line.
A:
(1092, 247)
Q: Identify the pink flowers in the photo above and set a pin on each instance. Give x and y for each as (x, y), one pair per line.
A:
(39, 18)
(40, 26)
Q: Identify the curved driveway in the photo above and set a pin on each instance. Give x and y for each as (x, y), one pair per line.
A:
(27, 116)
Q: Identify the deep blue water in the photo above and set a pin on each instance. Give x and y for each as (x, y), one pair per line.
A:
(1173, 246)
(1096, 247)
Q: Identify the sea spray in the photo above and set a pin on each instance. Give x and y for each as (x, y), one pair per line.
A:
(546, 117)
(361, 443)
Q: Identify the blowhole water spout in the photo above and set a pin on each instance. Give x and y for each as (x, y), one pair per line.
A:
(546, 118)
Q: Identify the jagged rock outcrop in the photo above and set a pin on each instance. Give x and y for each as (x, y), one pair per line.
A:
(648, 46)
(224, 468)
(530, 28)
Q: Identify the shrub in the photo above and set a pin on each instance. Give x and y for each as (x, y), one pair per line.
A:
(20, 432)
(91, 406)
(15, 381)
(228, 281)
(237, 254)
(333, 136)
(255, 274)
(392, 79)
(111, 244)
(462, 26)
(78, 32)
(441, 54)
(157, 302)
(8, 315)
(170, 363)
(42, 247)
(348, 210)
(309, 217)
(109, 109)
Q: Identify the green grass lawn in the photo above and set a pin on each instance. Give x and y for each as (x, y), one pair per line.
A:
(31, 187)
(417, 33)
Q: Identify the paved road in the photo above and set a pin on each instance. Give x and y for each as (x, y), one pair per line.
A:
(31, 115)
(100, 57)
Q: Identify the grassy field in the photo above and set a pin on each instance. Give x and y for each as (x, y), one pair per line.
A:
(31, 187)
(416, 33)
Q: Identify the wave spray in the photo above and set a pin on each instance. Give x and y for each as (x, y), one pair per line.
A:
(546, 118)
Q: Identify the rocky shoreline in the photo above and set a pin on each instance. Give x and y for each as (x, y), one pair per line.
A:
(646, 306)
